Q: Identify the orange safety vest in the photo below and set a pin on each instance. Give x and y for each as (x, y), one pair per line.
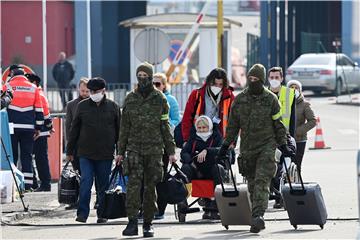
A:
(225, 117)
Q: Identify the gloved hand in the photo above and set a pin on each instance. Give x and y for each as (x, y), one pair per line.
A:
(222, 153)
(286, 151)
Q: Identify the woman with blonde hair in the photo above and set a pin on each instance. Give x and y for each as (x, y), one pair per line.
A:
(160, 82)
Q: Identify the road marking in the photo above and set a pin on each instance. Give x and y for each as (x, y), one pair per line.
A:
(347, 131)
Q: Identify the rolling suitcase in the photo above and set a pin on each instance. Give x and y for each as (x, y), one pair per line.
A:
(304, 203)
(233, 202)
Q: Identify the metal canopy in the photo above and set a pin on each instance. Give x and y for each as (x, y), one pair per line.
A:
(175, 20)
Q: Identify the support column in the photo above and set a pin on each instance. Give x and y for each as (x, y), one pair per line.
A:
(273, 34)
(282, 43)
(290, 33)
(264, 38)
(81, 46)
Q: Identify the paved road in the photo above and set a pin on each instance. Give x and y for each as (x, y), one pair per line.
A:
(333, 169)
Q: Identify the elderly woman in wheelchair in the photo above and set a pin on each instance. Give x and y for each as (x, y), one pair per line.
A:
(198, 159)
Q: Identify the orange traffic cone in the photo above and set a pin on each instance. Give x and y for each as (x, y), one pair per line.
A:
(319, 140)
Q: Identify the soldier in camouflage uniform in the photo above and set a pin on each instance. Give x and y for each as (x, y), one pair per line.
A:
(256, 113)
(144, 133)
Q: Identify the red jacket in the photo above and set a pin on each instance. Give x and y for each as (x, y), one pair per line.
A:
(47, 118)
(195, 107)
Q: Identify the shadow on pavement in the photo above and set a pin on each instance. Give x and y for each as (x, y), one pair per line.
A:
(227, 234)
(297, 231)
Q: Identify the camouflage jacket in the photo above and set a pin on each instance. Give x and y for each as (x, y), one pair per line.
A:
(258, 118)
(144, 126)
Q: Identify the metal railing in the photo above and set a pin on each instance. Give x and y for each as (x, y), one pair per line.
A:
(59, 97)
(117, 93)
(182, 91)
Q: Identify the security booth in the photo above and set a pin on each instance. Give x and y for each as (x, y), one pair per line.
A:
(199, 58)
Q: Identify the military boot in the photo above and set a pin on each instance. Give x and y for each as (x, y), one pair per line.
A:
(148, 230)
(131, 228)
(257, 224)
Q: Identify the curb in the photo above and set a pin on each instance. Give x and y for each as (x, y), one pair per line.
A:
(17, 216)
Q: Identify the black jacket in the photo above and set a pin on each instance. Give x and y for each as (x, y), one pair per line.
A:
(70, 114)
(195, 145)
(63, 73)
(95, 129)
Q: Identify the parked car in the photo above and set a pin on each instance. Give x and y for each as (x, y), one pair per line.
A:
(325, 72)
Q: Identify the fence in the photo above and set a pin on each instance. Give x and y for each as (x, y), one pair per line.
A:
(319, 42)
(253, 53)
(182, 91)
(114, 91)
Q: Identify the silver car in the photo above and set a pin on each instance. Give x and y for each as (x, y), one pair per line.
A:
(325, 72)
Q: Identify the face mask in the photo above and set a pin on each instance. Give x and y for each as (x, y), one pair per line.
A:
(274, 83)
(215, 90)
(204, 135)
(297, 93)
(256, 87)
(97, 97)
(144, 82)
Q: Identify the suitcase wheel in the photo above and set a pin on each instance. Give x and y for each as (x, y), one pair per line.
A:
(295, 226)
(322, 226)
(226, 227)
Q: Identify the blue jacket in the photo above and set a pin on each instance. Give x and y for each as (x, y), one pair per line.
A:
(174, 114)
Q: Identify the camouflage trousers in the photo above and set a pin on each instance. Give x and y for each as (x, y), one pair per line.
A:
(261, 168)
(142, 170)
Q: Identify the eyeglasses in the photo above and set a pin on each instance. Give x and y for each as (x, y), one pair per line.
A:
(157, 84)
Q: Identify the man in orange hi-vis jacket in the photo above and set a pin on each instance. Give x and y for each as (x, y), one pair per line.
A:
(26, 116)
(40, 144)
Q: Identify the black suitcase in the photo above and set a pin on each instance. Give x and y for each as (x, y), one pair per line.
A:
(304, 203)
(68, 186)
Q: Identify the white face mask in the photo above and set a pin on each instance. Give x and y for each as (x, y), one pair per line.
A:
(97, 97)
(275, 83)
(215, 90)
(204, 135)
(297, 93)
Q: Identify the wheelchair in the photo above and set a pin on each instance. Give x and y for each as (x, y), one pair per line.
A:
(201, 189)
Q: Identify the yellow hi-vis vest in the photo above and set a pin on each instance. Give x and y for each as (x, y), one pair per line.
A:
(286, 99)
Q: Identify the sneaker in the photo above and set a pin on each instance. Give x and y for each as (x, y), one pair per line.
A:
(101, 220)
(131, 228)
(80, 219)
(257, 224)
(158, 216)
(43, 189)
(148, 230)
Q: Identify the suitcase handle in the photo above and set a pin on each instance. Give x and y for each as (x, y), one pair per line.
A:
(228, 193)
(292, 190)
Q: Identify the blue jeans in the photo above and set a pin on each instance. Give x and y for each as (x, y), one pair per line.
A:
(100, 169)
